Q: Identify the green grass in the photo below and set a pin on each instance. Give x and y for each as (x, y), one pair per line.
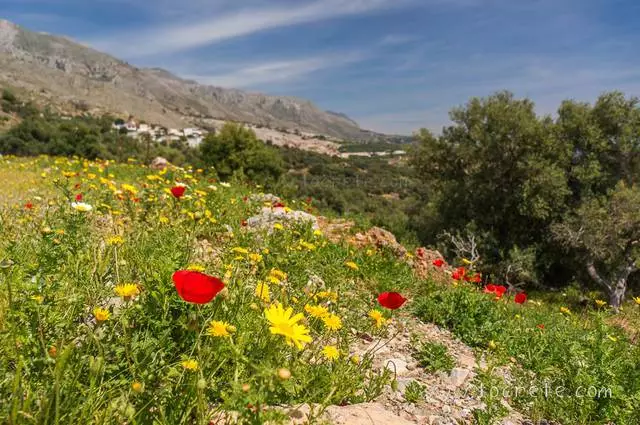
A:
(570, 353)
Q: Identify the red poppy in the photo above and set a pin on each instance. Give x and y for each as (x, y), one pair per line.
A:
(477, 278)
(439, 262)
(540, 326)
(243, 223)
(178, 191)
(79, 197)
(520, 298)
(278, 205)
(245, 198)
(499, 291)
(490, 289)
(195, 287)
(391, 300)
(458, 274)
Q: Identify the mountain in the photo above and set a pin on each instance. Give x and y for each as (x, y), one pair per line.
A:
(76, 78)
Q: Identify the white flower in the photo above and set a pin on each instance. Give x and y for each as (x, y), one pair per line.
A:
(81, 206)
(225, 184)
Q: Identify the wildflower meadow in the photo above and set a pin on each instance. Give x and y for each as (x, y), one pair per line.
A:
(141, 296)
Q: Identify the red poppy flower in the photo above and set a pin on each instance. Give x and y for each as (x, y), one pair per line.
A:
(500, 290)
(540, 326)
(439, 262)
(458, 274)
(79, 197)
(243, 223)
(391, 300)
(490, 289)
(520, 298)
(477, 278)
(178, 191)
(28, 206)
(195, 287)
(245, 198)
(278, 205)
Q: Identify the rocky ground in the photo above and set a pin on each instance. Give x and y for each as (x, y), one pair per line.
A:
(449, 398)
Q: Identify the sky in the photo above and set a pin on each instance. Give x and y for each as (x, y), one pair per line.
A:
(394, 66)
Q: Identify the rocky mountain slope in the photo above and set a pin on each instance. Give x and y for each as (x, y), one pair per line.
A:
(74, 77)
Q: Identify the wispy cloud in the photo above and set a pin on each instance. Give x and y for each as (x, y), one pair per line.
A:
(251, 75)
(172, 38)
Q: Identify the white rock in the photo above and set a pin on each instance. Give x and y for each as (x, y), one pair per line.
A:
(458, 375)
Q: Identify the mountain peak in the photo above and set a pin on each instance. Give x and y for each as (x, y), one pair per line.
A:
(71, 72)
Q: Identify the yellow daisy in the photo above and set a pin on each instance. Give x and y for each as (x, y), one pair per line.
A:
(126, 290)
(218, 328)
(101, 314)
(317, 311)
(190, 364)
(262, 292)
(332, 322)
(284, 322)
(377, 317)
(331, 352)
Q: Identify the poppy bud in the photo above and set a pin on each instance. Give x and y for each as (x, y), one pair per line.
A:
(284, 373)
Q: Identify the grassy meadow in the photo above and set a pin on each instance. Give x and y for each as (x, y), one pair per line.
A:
(97, 327)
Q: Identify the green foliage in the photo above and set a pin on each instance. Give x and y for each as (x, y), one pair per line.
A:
(414, 392)
(433, 356)
(553, 350)
(514, 179)
(236, 149)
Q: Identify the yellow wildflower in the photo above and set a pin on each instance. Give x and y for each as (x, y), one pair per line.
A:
(137, 387)
(317, 311)
(262, 292)
(352, 265)
(601, 303)
(327, 295)
(240, 250)
(127, 290)
(278, 226)
(218, 328)
(190, 364)
(332, 322)
(255, 258)
(38, 298)
(129, 188)
(195, 268)
(115, 241)
(377, 317)
(101, 314)
(565, 310)
(284, 322)
(330, 352)
(637, 300)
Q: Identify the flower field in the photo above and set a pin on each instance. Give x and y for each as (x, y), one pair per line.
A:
(139, 296)
(132, 295)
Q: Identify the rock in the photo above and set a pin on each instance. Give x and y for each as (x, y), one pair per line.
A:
(159, 163)
(335, 230)
(270, 216)
(467, 362)
(364, 414)
(379, 238)
(398, 366)
(458, 376)
(264, 197)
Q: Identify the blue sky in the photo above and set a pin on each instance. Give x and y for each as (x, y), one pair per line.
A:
(392, 65)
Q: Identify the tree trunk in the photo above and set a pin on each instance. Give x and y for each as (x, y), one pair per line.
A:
(617, 292)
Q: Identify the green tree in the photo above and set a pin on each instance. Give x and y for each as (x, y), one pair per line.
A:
(499, 171)
(604, 233)
(236, 148)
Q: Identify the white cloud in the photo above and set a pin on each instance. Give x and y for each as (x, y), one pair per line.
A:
(245, 76)
(201, 32)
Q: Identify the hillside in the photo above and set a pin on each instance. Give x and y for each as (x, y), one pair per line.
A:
(75, 78)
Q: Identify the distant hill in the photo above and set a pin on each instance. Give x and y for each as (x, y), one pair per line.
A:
(72, 77)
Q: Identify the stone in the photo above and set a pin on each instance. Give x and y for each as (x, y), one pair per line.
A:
(379, 238)
(458, 376)
(270, 216)
(364, 414)
(159, 163)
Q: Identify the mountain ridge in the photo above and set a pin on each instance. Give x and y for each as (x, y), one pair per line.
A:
(60, 71)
